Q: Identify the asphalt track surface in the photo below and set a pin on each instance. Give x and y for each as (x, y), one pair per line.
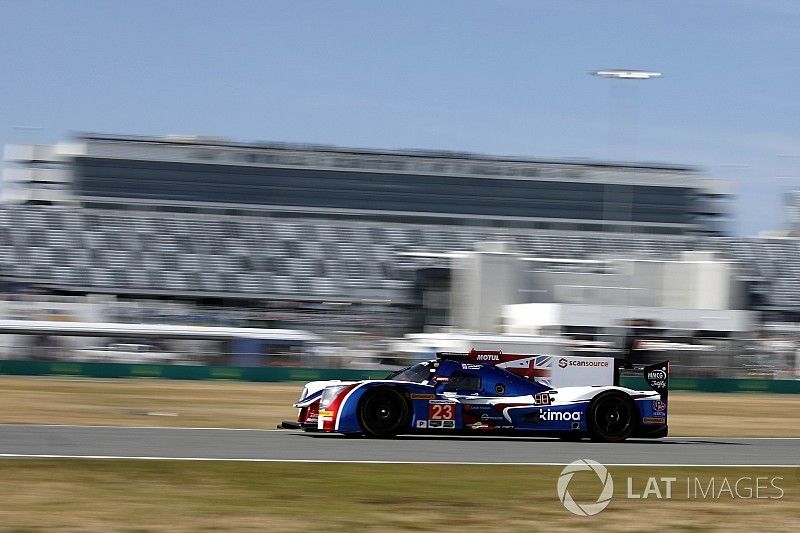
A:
(283, 445)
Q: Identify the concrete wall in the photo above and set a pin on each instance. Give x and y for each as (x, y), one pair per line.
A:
(699, 290)
(538, 318)
(483, 283)
(695, 282)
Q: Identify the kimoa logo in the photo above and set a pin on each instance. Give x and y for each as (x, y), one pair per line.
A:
(550, 416)
(586, 509)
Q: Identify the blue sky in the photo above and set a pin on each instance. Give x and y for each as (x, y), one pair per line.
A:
(506, 77)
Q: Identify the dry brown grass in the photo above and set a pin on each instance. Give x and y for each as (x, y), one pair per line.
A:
(734, 414)
(126, 402)
(90, 495)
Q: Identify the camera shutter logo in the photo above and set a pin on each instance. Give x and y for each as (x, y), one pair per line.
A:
(587, 509)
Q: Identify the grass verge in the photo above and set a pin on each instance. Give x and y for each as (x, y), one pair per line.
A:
(157, 402)
(94, 495)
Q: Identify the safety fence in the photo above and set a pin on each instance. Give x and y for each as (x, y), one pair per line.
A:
(276, 374)
(779, 386)
(187, 372)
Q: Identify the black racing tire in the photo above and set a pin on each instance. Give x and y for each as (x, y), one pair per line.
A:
(383, 413)
(612, 417)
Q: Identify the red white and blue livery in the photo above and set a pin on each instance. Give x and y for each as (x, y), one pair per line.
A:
(492, 392)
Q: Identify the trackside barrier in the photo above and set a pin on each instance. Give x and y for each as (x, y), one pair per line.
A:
(274, 374)
(779, 386)
(189, 372)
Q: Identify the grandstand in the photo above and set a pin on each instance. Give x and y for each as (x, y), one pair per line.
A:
(107, 227)
(151, 253)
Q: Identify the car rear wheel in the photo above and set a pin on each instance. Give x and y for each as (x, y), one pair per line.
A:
(383, 413)
(612, 417)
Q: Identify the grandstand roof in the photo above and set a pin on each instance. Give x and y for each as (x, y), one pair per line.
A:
(210, 141)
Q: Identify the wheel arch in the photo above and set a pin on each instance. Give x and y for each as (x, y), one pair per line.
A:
(384, 404)
(613, 392)
(347, 420)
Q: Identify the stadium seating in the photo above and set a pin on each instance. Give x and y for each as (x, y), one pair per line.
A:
(171, 253)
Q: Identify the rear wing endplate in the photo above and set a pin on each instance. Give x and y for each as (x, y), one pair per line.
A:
(656, 376)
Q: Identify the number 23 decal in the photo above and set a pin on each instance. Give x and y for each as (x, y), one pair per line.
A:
(442, 411)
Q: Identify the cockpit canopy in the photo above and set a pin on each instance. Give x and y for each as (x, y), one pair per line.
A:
(482, 379)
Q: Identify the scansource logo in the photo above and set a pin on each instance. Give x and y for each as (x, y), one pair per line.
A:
(564, 363)
(586, 509)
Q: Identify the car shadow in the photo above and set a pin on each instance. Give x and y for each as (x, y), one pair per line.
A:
(513, 438)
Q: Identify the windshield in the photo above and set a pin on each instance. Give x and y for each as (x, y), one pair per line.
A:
(416, 373)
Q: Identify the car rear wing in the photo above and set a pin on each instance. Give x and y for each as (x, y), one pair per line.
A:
(482, 356)
(656, 375)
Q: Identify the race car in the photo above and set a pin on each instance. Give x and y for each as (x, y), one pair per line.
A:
(491, 392)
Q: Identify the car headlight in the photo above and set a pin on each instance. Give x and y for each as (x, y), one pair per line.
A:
(329, 394)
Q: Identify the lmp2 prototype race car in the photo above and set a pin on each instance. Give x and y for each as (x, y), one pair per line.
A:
(492, 392)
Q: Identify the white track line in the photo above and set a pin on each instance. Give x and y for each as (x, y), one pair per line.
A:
(734, 438)
(509, 437)
(462, 463)
(82, 426)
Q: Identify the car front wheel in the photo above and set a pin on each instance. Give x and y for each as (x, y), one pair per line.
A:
(383, 413)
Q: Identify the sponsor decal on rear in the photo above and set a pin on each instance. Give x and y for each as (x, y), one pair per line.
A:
(564, 363)
(659, 406)
(653, 420)
(487, 357)
(657, 379)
